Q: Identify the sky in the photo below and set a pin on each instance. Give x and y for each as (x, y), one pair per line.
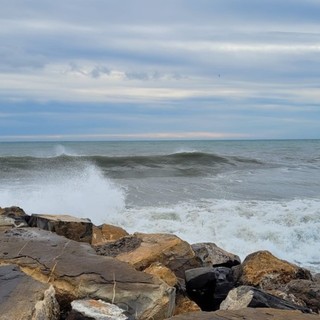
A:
(169, 69)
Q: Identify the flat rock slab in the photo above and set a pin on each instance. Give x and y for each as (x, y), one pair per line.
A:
(64, 225)
(22, 297)
(77, 272)
(247, 314)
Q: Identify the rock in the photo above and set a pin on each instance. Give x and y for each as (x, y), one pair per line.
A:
(70, 227)
(306, 290)
(12, 217)
(247, 314)
(95, 309)
(211, 255)
(184, 305)
(77, 272)
(141, 250)
(165, 274)
(250, 297)
(316, 277)
(106, 233)
(22, 297)
(264, 270)
(208, 286)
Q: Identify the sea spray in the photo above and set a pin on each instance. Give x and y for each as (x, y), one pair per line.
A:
(82, 192)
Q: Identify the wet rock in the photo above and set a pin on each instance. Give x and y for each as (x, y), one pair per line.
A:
(12, 217)
(141, 250)
(211, 255)
(208, 286)
(22, 297)
(247, 314)
(307, 291)
(77, 272)
(106, 233)
(245, 296)
(96, 310)
(70, 227)
(264, 270)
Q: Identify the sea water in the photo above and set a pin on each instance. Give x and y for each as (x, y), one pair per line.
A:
(242, 195)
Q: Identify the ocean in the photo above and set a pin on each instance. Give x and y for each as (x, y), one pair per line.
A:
(242, 195)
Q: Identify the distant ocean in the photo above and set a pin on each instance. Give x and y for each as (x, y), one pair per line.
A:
(242, 195)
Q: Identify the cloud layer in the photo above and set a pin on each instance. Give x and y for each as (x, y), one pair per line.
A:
(149, 69)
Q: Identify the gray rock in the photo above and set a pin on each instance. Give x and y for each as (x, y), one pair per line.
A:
(95, 309)
(250, 297)
(22, 297)
(307, 291)
(211, 255)
(77, 272)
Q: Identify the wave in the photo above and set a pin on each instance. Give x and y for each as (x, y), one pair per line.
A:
(183, 163)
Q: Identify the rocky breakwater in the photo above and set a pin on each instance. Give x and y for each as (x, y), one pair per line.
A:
(61, 267)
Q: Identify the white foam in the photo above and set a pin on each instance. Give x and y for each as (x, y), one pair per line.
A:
(289, 229)
(82, 192)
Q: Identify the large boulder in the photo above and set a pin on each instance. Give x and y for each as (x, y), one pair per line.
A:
(106, 233)
(77, 272)
(208, 286)
(22, 297)
(211, 255)
(141, 250)
(247, 314)
(64, 225)
(307, 291)
(250, 297)
(12, 217)
(264, 270)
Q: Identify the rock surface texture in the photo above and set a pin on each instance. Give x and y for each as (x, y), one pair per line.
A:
(141, 250)
(95, 309)
(12, 217)
(64, 225)
(21, 297)
(250, 297)
(106, 233)
(264, 270)
(211, 255)
(247, 314)
(77, 272)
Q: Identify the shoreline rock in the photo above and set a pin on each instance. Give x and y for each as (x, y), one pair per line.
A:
(148, 276)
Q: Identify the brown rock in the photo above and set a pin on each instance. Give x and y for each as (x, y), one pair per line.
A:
(77, 272)
(264, 270)
(12, 217)
(185, 305)
(211, 255)
(106, 233)
(146, 249)
(159, 270)
(70, 227)
(21, 297)
(247, 314)
(307, 291)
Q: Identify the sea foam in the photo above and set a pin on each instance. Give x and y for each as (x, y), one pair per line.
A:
(82, 192)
